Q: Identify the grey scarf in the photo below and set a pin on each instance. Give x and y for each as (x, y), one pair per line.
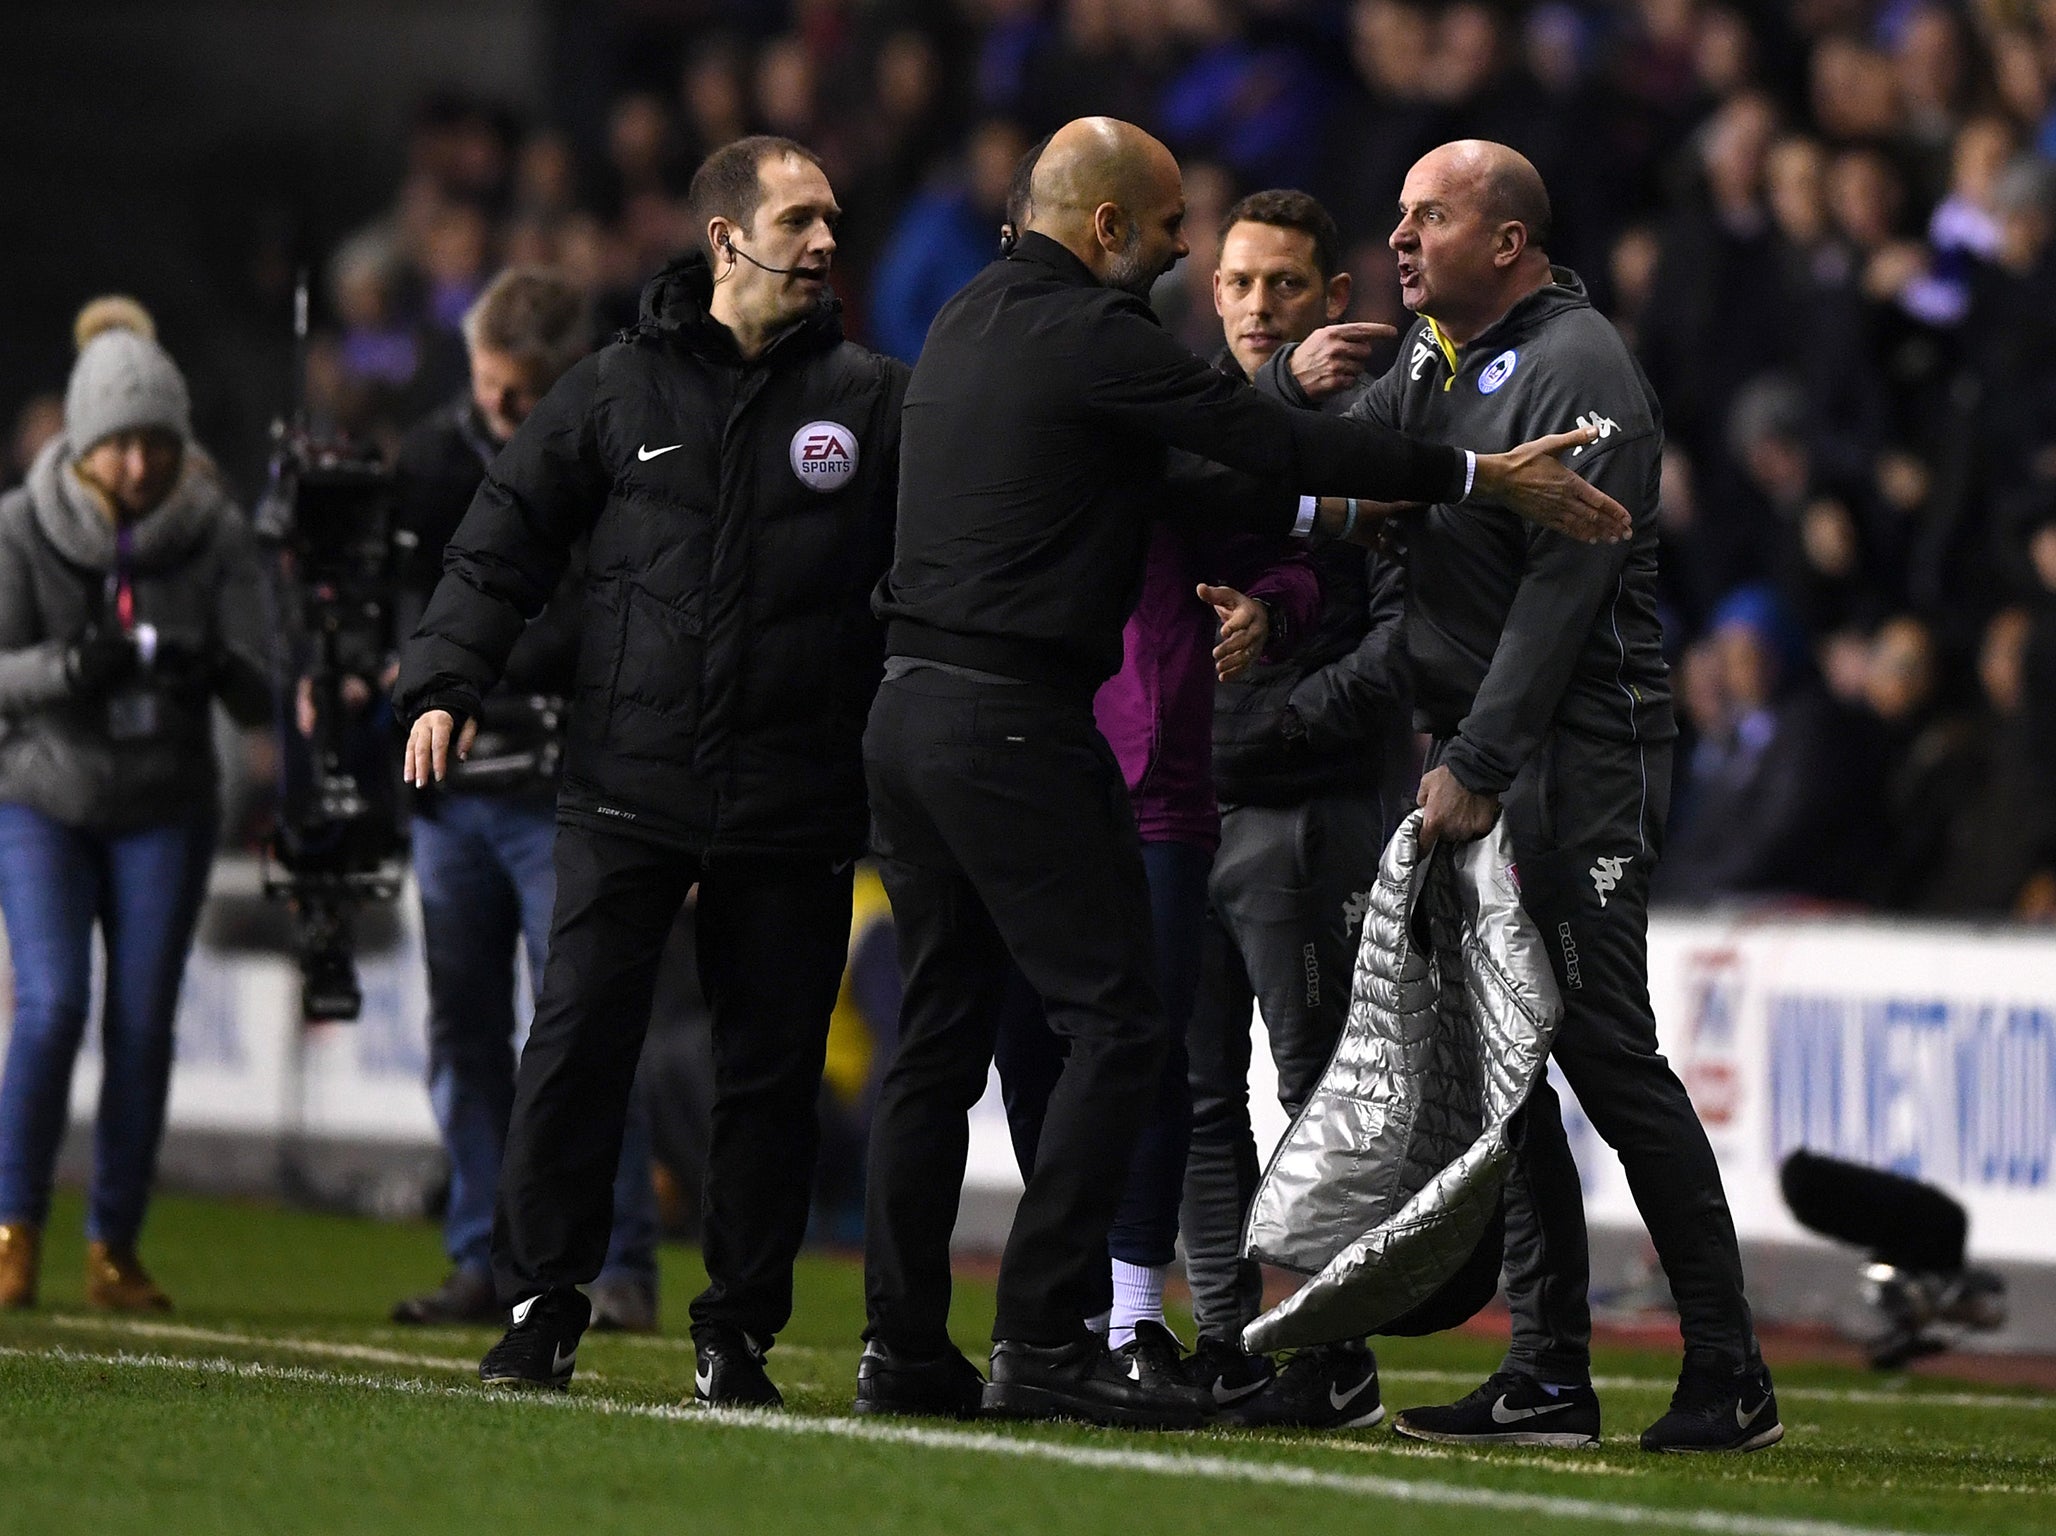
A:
(74, 519)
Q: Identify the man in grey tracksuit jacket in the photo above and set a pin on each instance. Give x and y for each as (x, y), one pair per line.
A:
(1539, 676)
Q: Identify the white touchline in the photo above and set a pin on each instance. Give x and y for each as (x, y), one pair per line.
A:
(1102, 1458)
(368, 1354)
(1858, 1397)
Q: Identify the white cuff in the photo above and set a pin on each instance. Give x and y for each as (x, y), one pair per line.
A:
(1304, 523)
(1470, 472)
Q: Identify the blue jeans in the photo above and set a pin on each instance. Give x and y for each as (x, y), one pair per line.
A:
(1029, 1056)
(485, 868)
(143, 889)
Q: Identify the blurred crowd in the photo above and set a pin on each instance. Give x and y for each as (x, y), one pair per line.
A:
(1826, 226)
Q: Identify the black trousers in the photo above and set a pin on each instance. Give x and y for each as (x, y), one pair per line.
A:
(1586, 819)
(1004, 832)
(773, 934)
(1288, 889)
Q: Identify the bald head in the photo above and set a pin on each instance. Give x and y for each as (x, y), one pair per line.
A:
(1112, 195)
(1507, 187)
(1473, 219)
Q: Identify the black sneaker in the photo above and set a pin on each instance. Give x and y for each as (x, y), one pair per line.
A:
(1226, 1371)
(946, 1386)
(1717, 1408)
(540, 1346)
(465, 1297)
(1509, 1409)
(728, 1370)
(1331, 1386)
(1153, 1357)
(1083, 1380)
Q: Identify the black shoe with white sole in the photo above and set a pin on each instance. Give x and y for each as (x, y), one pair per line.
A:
(1227, 1372)
(728, 1370)
(1717, 1408)
(1083, 1380)
(1331, 1386)
(945, 1386)
(540, 1346)
(1509, 1409)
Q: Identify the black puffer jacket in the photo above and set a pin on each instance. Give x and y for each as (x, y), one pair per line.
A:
(1348, 690)
(738, 516)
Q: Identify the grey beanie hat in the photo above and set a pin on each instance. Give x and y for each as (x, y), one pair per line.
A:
(124, 382)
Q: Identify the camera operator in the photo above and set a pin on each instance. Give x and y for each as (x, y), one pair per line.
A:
(130, 595)
(483, 838)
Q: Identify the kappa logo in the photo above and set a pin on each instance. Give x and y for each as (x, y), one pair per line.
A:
(1572, 976)
(1606, 874)
(824, 455)
(1424, 353)
(1605, 426)
(1355, 910)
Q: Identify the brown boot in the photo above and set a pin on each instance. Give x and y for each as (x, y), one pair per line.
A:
(21, 1259)
(117, 1282)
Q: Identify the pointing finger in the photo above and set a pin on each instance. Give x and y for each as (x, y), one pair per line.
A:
(1362, 332)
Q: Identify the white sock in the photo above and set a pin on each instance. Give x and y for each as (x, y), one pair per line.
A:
(1138, 1297)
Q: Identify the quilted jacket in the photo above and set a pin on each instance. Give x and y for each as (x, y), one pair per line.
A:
(1391, 1173)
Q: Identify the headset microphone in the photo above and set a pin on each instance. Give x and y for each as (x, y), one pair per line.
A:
(730, 246)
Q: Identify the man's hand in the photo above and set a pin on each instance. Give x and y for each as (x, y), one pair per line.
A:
(1451, 810)
(428, 746)
(1528, 480)
(1335, 356)
(1245, 630)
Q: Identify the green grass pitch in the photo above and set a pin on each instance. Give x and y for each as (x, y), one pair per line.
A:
(276, 1399)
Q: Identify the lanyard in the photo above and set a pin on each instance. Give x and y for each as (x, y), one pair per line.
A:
(121, 582)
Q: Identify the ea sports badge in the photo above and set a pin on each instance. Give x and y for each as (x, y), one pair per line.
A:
(824, 455)
(1498, 371)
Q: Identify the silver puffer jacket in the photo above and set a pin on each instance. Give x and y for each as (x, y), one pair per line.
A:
(1385, 1182)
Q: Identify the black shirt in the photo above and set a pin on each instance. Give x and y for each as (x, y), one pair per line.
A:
(1036, 447)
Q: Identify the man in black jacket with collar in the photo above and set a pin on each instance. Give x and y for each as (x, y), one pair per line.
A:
(1313, 765)
(1539, 672)
(732, 463)
(1037, 429)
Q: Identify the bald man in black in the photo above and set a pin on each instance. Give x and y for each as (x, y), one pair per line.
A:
(1037, 443)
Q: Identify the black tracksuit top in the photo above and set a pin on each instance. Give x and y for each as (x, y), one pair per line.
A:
(1037, 446)
(737, 515)
(1512, 629)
